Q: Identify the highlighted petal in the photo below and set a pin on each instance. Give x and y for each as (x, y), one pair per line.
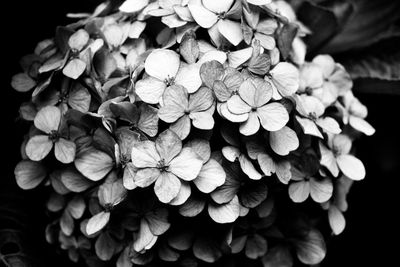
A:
(145, 177)
(211, 176)
(29, 174)
(65, 150)
(167, 187)
(144, 154)
(183, 195)
(186, 165)
(202, 120)
(175, 104)
(273, 116)
(309, 127)
(248, 168)
(351, 166)
(219, 6)
(189, 77)
(329, 124)
(299, 191)
(48, 119)
(225, 213)
(321, 190)
(181, 127)
(251, 126)
(38, 147)
(328, 160)
(168, 145)
(361, 125)
(132, 6)
(336, 220)
(94, 164)
(204, 17)
(75, 68)
(231, 30)
(162, 64)
(285, 77)
(283, 141)
(237, 106)
(150, 90)
(97, 222)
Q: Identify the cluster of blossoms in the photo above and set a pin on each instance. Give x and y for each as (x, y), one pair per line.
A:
(188, 132)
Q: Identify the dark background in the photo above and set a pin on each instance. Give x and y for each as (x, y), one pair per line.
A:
(371, 233)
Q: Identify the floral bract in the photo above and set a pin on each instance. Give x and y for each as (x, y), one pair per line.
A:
(189, 132)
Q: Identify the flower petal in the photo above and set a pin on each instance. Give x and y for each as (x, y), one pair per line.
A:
(167, 187)
(75, 181)
(251, 126)
(181, 127)
(285, 77)
(145, 177)
(266, 163)
(237, 106)
(29, 174)
(148, 121)
(321, 190)
(189, 77)
(48, 119)
(75, 68)
(218, 6)
(210, 71)
(336, 220)
(225, 213)
(144, 237)
(132, 6)
(129, 176)
(283, 141)
(162, 64)
(224, 112)
(266, 41)
(183, 195)
(157, 220)
(299, 191)
(38, 147)
(202, 120)
(231, 30)
(79, 98)
(329, 125)
(186, 165)
(65, 150)
(311, 249)
(273, 116)
(192, 207)
(326, 63)
(201, 147)
(238, 57)
(351, 166)
(309, 127)
(175, 103)
(328, 160)
(93, 164)
(341, 143)
(144, 154)
(201, 100)
(248, 168)
(97, 222)
(168, 145)
(204, 17)
(256, 247)
(210, 177)
(150, 90)
(361, 125)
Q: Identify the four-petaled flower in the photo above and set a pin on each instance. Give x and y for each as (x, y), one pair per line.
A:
(337, 157)
(165, 162)
(48, 120)
(180, 108)
(252, 102)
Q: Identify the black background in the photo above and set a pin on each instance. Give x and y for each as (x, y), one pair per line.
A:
(372, 225)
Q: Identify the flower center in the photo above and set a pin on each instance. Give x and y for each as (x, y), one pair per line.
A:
(309, 91)
(221, 15)
(312, 116)
(161, 165)
(124, 159)
(54, 136)
(63, 98)
(169, 81)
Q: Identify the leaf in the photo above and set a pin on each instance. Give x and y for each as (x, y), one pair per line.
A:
(225, 213)
(311, 249)
(29, 174)
(97, 222)
(383, 66)
(22, 82)
(94, 164)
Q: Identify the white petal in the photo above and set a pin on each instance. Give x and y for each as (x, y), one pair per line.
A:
(64, 150)
(210, 177)
(237, 58)
(231, 30)
(285, 77)
(224, 112)
(38, 147)
(309, 127)
(136, 29)
(251, 126)
(29, 174)
(283, 141)
(321, 190)
(48, 119)
(144, 237)
(94, 164)
(213, 55)
(144, 154)
(231, 153)
(361, 125)
(74, 68)
(202, 120)
(299, 191)
(328, 160)
(248, 168)
(329, 124)
(132, 6)
(162, 64)
(326, 63)
(189, 77)
(181, 127)
(167, 187)
(219, 6)
(266, 41)
(225, 213)
(183, 194)
(150, 90)
(173, 21)
(273, 116)
(336, 220)
(237, 106)
(351, 166)
(259, 2)
(97, 222)
(186, 165)
(203, 17)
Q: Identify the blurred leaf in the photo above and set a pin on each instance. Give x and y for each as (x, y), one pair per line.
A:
(383, 66)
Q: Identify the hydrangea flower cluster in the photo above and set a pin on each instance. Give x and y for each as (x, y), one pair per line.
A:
(189, 132)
